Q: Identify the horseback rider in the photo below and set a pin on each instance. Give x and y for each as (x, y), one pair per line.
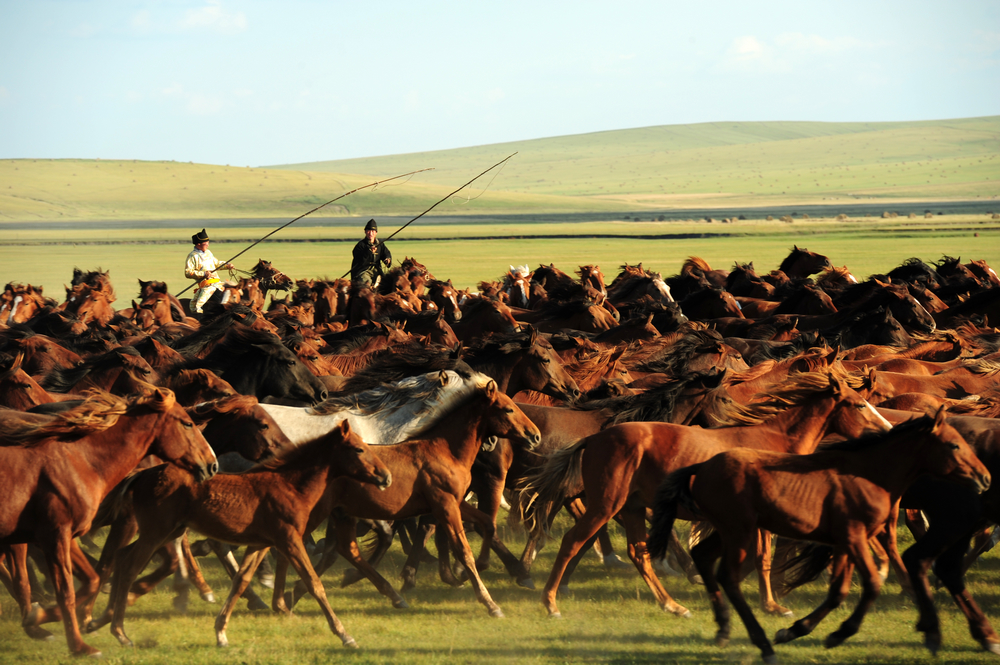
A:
(369, 255)
(201, 266)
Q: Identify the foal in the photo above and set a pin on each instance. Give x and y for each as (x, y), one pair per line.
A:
(268, 506)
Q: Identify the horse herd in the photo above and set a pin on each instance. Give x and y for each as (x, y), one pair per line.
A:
(800, 403)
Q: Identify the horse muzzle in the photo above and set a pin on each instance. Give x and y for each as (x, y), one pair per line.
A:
(385, 482)
(206, 471)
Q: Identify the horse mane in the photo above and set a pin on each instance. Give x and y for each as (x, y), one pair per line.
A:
(213, 329)
(61, 380)
(409, 361)
(492, 351)
(222, 405)
(673, 359)
(982, 366)
(97, 412)
(429, 390)
(906, 429)
(791, 392)
(695, 263)
(792, 257)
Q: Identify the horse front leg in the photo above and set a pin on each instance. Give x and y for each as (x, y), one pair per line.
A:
(15, 578)
(58, 555)
(295, 553)
(635, 532)
(840, 585)
(195, 575)
(225, 555)
(763, 565)
(489, 504)
(123, 529)
(949, 568)
(573, 541)
(449, 518)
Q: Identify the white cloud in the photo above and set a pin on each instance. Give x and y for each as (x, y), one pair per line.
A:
(213, 16)
(750, 55)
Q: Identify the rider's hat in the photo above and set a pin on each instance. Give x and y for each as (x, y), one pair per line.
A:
(371, 225)
(199, 237)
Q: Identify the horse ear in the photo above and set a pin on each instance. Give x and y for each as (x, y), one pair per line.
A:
(345, 428)
(163, 398)
(532, 336)
(491, 389)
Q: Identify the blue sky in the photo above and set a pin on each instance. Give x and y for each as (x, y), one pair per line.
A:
(264, 82)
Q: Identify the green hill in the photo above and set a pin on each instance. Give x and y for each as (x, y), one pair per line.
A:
(648, 169)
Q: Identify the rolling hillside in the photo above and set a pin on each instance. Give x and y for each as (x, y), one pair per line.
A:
(644, 170)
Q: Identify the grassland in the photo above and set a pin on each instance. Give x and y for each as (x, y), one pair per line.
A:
(648, 169)
(609, 617)
(468, 253)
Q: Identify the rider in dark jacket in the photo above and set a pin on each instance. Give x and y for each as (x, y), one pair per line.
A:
(369, 256)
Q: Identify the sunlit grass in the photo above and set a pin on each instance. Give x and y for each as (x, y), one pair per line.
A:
(608, 617)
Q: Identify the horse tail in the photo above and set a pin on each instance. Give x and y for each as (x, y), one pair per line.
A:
(673, 492)
(542, 492)
(804, 567)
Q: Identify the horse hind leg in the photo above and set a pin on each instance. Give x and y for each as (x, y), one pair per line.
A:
(241, 581)
(733, 555)
(704, 554)
(347, 545)
(14, 575)
(296, 554)
(384, 534)
(871, 583)
(763, 564)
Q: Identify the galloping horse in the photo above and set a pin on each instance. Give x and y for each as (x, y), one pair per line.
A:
(268, 506)
(431, 474)
(800, 262)
(56, 469)
(839, 497)
(619, 468)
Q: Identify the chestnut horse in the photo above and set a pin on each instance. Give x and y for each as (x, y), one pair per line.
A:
(431, 474)
(838, 497)
(55, 471)
(620, 467)
(267, 506)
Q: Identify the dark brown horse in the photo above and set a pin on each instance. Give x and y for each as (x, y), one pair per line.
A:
(54, 486)
(268, 506)
(619, 468)
(838, 497)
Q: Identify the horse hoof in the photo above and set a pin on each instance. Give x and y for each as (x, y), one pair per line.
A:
(221, 641)
(833, 640)
(783, 635)
(527, 583)
(772, 659)
(992, 647)
(614, 561)
(555, 615)
(401, 604)
(933, 643)
(349, 643)
(257, 604)
(696, 579)
(124, 641)
(208, 597)
(266, 581)
(497, 613)
(722, 641)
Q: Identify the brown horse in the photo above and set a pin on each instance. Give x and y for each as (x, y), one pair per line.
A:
(268, 506)
(53, 485)
(522, 361)
(431, 474)
(838, 497)
(619, 468)
(18, 390)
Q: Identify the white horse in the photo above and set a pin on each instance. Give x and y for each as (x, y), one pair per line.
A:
(388, 414)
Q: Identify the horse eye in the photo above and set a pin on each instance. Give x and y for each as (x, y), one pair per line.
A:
(954, 446)
(508, 410)
(187, 424)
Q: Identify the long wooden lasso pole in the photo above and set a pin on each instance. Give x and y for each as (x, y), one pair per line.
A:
(372, 184)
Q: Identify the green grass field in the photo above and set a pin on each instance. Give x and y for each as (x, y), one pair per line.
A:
(609, 617)
(46, 257)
